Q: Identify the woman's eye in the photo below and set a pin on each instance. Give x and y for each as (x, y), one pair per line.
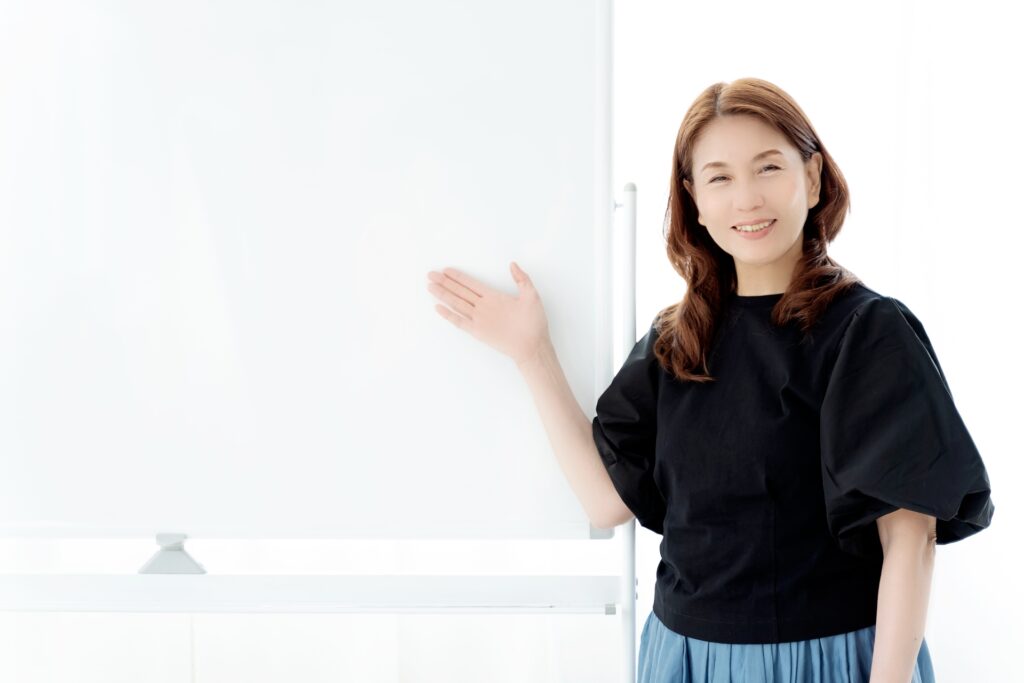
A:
(762, 168)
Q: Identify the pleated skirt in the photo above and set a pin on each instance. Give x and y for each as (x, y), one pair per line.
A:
(669, 657)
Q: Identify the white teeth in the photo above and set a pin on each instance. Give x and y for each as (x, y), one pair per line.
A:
(753, 228)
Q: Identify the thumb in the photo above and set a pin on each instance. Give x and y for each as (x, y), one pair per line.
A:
(521, 278)
(517, 272)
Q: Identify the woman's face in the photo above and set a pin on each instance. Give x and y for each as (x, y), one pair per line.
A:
(733, 183)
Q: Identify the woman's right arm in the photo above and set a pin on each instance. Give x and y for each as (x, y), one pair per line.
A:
(569, 431)
(517, 327)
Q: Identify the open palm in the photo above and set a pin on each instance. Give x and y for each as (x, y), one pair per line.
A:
(515, 325)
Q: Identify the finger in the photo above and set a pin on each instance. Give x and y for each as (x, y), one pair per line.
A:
(456, 320)
(468, 295)
(455, 302)
(464, 284)
(520, 276)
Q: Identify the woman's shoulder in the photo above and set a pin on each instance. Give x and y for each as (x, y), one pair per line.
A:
(854, 301)
(862, 302)
(853, 298)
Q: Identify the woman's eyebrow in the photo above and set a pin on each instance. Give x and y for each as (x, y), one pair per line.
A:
(722, 164)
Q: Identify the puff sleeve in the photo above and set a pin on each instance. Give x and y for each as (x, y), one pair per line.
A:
(891, 436)
(624, 431)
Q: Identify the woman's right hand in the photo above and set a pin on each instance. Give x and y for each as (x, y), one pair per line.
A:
(514, 325)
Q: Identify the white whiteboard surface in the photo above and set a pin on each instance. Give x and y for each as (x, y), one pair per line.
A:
(216, 221)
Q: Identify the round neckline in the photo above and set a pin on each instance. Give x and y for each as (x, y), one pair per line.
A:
(757, 300)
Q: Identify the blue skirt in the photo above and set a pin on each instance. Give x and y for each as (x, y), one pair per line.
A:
(669, 657)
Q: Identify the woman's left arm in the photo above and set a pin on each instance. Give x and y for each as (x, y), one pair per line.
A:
(908, 544)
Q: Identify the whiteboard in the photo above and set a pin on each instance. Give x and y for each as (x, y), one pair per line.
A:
(216, 220)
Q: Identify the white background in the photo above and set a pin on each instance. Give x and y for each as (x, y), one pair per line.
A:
(213, 219)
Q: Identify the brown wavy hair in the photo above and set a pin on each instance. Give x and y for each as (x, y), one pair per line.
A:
(687, 329)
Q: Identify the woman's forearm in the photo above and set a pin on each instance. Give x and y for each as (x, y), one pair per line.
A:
(569, 432)
(902, 608)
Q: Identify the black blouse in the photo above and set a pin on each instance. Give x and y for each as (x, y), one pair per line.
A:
(766, 483)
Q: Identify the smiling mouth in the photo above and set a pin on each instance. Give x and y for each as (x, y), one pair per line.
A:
(747, 228)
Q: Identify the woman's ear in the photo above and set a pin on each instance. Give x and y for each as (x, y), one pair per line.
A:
(813, 167)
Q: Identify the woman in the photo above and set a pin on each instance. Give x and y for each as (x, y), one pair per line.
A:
(786, 428)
